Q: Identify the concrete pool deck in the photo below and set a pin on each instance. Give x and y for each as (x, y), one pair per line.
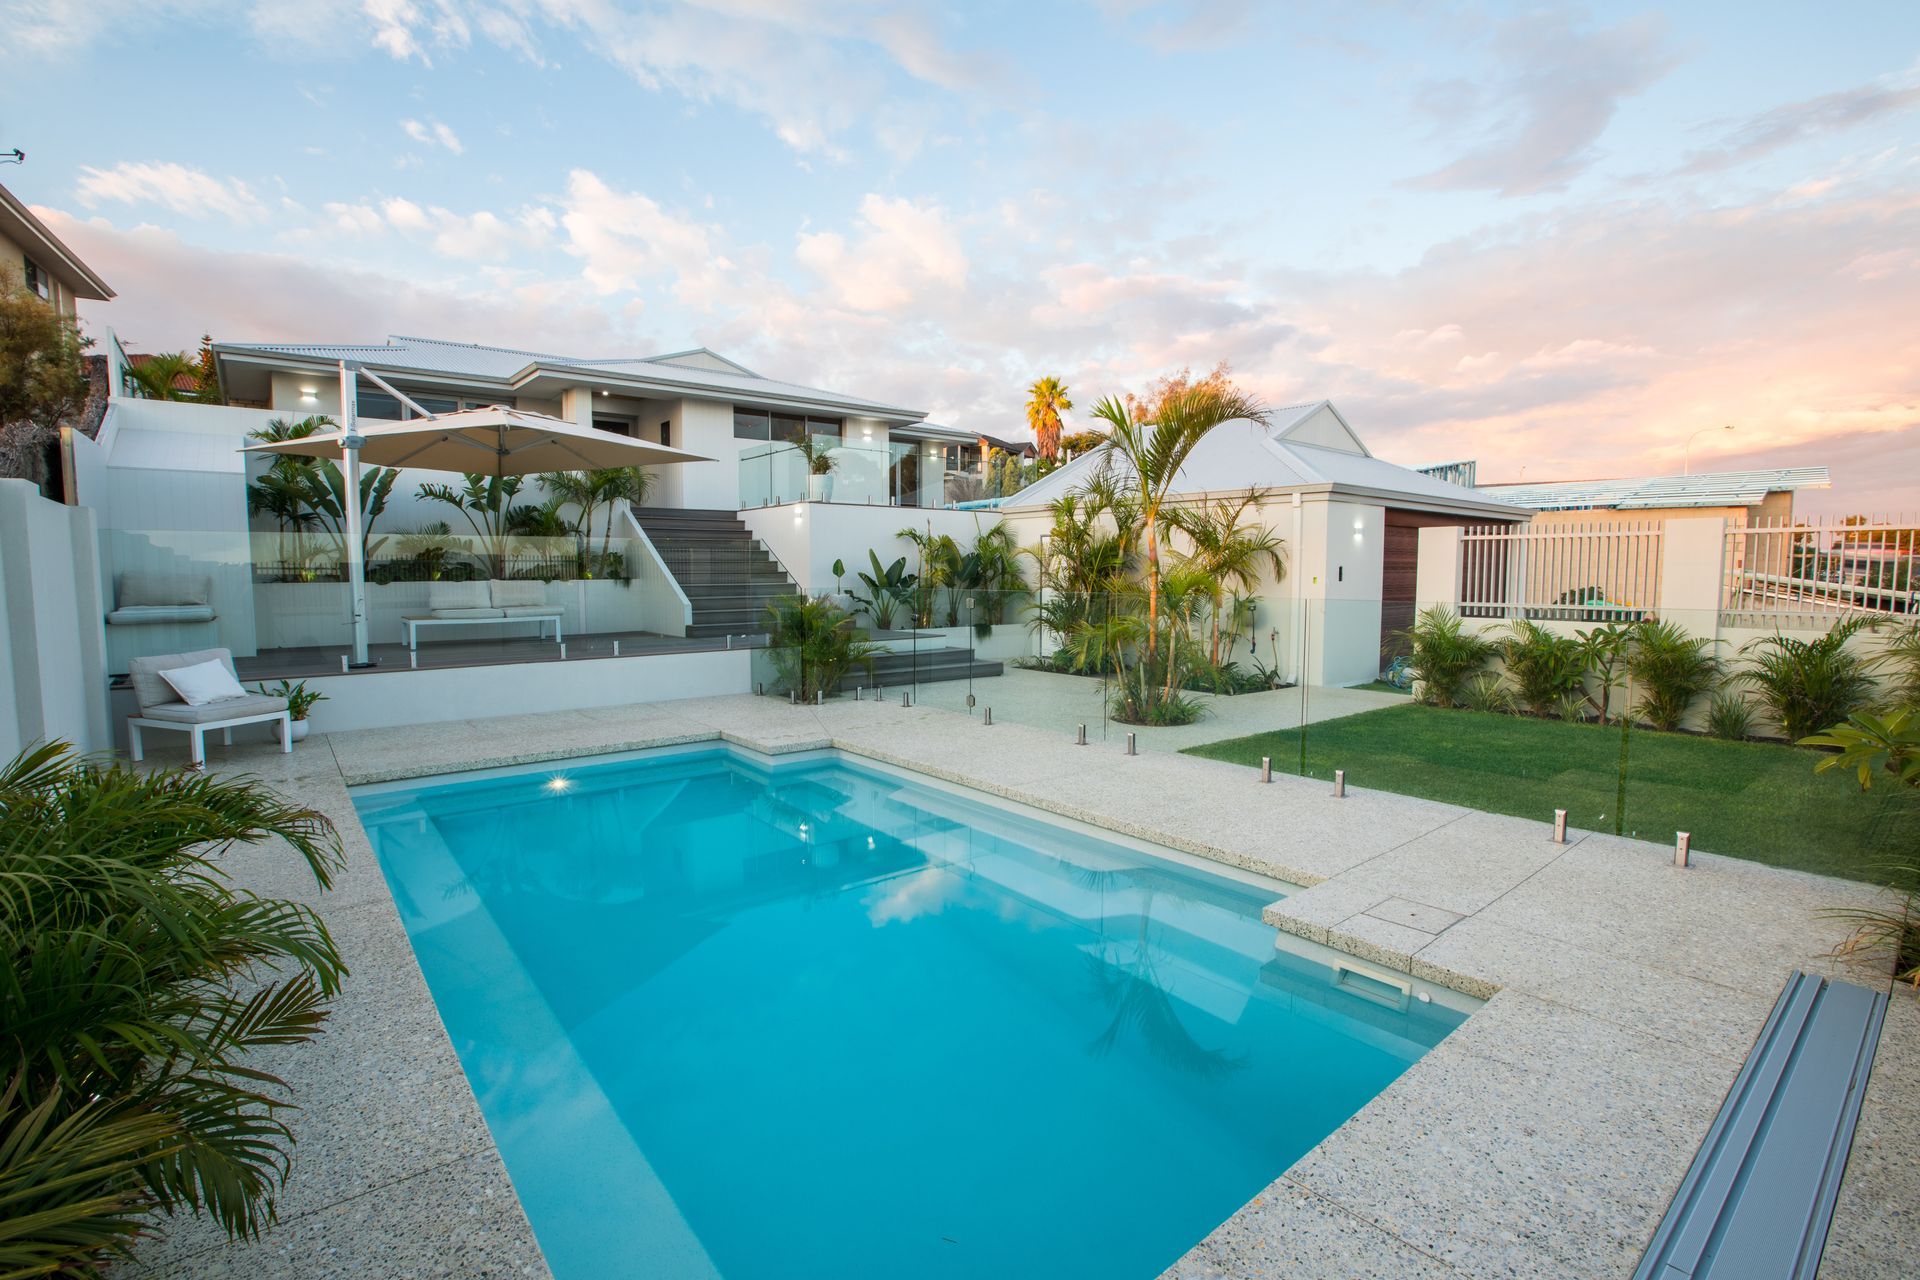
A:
(1543, 1138)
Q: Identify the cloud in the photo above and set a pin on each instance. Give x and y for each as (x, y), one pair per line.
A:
(1796, 122)
(171, 291)
(433, 134)
(626, 240)
(406, 30)
(902, 250)
(1556, 90)
(172, 186)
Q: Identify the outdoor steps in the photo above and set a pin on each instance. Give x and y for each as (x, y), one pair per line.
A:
(728, 575)
(924, 666)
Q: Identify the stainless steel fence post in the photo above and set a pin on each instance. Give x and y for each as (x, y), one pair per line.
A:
(1682, 848)
(1559, 826)
(1340, 783)
(1266, 768)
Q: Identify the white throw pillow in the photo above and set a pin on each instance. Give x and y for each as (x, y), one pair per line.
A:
(205, 682)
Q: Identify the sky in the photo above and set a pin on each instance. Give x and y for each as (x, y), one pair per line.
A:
(1561, 241)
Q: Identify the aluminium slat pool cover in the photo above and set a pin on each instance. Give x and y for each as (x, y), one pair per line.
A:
(1758, 1199)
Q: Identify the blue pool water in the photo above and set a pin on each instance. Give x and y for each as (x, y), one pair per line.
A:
(814, 1020)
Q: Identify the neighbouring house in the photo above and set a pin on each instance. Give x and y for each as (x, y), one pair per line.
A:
(1351, 523)
(42, 262)
(1757, 498)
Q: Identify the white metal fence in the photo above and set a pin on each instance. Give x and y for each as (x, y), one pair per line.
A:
(1578, 573)
(1817, 568)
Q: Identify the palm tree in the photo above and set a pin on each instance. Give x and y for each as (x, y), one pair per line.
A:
(1155, 451)
(171, 375)
(591, 490)
(487, 503)
(138, 981)
(1046, 401)
(1228, 552)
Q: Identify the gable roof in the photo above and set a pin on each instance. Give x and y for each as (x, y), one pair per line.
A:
(18, 223)
(695, 371)
(1305, 447)
(1710, 489)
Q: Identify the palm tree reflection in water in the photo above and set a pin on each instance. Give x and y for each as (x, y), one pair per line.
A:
(1131, 986)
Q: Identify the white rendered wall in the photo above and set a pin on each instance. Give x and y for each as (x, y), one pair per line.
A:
(809, 536)
(53, 680)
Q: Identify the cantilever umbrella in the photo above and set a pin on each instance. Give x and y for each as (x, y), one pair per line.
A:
(495, 441)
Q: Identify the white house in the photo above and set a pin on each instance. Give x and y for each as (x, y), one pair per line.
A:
(1351, 523)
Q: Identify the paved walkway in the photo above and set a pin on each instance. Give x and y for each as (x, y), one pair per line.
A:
(1048, 700)
(1541, 1139)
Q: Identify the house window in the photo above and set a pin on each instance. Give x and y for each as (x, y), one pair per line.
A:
(37, 279)
(377, 405)
(370, 402)
(748, 425)
(614, 426)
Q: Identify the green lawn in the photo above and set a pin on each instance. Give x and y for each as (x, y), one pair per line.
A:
(1751, 800)
(1381, 686)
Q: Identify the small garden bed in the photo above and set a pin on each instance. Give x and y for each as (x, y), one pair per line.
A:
(1753, 800)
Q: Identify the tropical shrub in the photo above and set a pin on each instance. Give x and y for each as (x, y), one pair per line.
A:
(1544, 666)
(1672, 669)
(1232, 553)
(137, 981)
(1888, 748)
(1730, 716)
(1442, 654)
(1573, 708)
(1604, 654)
(813, 645)
(1807, 685)
(889, 590)
(1486, 692)
(1901, 660)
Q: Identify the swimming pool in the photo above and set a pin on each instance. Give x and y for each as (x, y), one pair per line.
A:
(732, 1017)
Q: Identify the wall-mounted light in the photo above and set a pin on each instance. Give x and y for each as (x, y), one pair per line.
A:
(603, 395)
(309, 393)
(559, 783)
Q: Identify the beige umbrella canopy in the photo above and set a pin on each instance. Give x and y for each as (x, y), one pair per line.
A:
(494, 441)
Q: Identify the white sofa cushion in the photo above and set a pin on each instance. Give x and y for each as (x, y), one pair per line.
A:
(150, 690)
(470, 615)
(148, 615)
(457, 595)
(164, 588)
(517, 592)
(204, 682)
(254, 704)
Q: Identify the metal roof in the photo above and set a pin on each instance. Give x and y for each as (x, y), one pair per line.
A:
(1241, 455)
(511, 365)
(1710, 489)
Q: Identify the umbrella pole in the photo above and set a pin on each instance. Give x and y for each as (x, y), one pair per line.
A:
(356, 550)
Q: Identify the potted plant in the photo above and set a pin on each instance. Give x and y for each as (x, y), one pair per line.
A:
(300, 700)
(815, 451)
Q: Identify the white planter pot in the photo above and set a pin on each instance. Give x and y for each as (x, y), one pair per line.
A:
(299, 728)
(820, 488)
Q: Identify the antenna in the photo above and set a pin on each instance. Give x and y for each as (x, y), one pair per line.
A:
(15, 156)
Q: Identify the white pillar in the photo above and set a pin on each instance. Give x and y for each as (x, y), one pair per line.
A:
(356, 566)
(1692, 573)
(1436, 578)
